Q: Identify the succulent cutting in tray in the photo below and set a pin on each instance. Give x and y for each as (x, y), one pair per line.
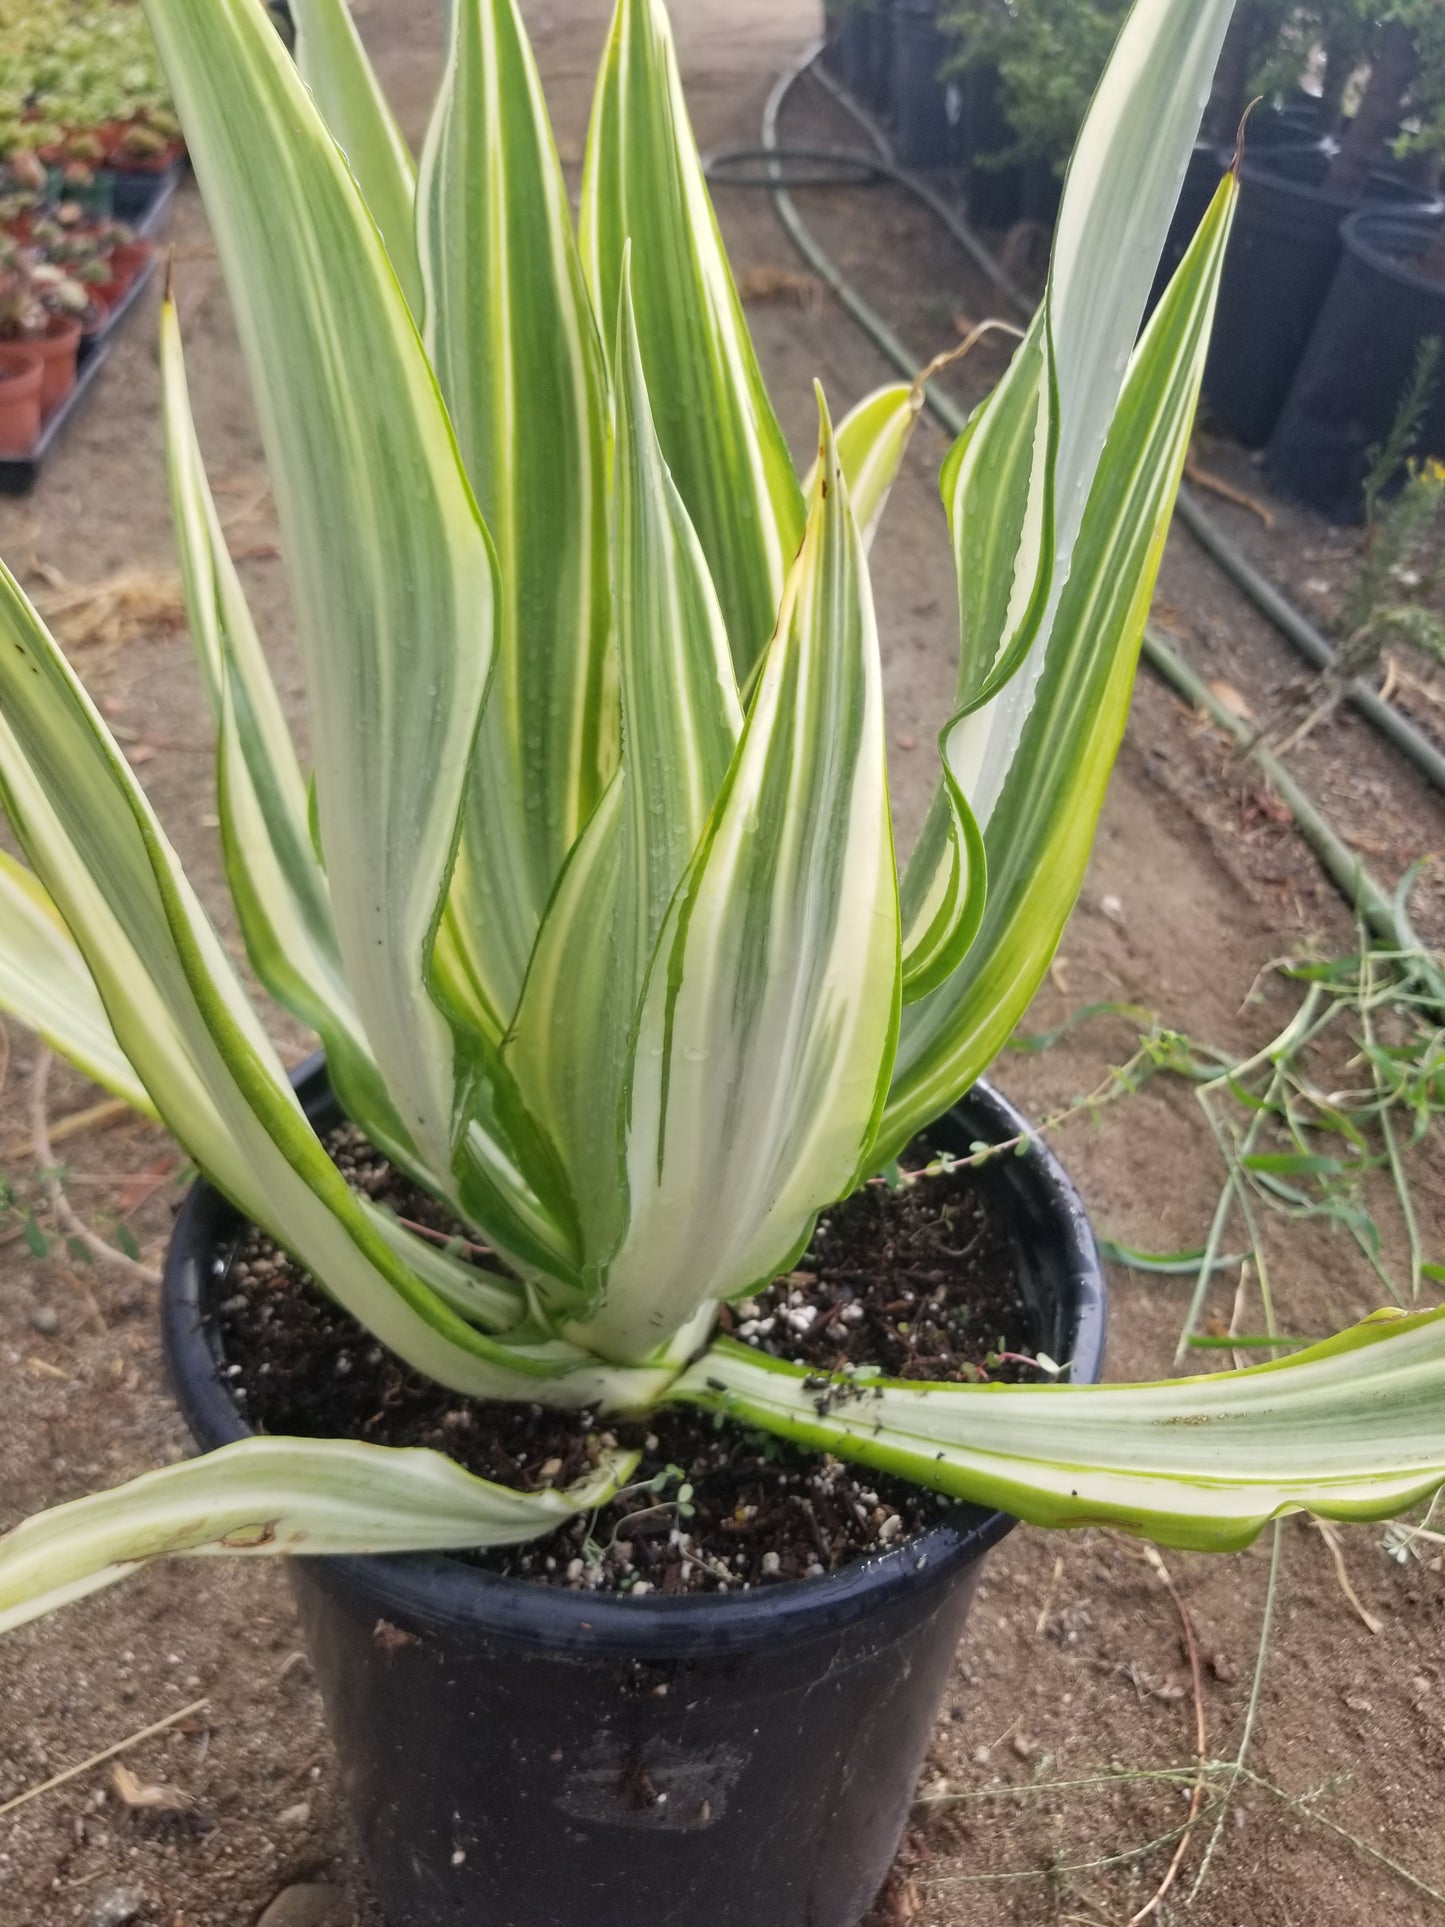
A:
(590, 891)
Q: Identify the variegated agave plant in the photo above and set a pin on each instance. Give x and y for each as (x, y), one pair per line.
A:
(590, 892)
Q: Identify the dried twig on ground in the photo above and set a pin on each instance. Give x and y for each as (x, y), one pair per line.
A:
(106, 1753)
(1216, 485)
(115, 610)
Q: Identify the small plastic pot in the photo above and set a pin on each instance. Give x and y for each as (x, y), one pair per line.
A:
(22, 374)
(57, 349)
(1282, 258)
(516, 1755)
(1360, 357)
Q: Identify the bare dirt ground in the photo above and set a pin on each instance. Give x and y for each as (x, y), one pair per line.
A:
(1073, 1667)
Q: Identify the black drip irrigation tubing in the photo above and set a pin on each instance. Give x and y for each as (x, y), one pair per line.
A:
(1297, 629)
(1384, 915)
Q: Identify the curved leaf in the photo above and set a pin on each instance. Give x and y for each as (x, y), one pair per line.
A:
(277, 884)
(872, 440)
(1041, 829)
(391, 569)
(1349, 1429)
(270, 1497)
(180, 1016)
(44, 982)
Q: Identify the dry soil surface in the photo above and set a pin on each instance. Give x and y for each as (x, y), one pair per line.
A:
(1073, 1667)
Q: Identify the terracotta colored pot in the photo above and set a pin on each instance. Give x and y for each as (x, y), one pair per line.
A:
(127, 259)
(21, 374)
(57, 349)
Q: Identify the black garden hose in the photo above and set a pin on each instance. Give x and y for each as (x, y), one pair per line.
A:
(858, 167)
(1298, 630)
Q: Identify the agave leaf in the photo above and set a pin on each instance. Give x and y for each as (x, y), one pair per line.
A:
(44, 982)
(1349, 1429)
(334, 65)
(767, 1026)
(181, 1018)
(484, 1298)
(680, 725)
(391, 569)
(270, 1497)
(511, 335)
(1041, 828)
(1017, 482)
(277, 884)
(872, 440)
(643, 182)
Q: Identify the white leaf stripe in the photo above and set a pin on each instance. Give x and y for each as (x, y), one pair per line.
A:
(511, 335)
(390, 566)
(1039, 837)
(44, 982)
(334, 65)
(767, 1026)
(1348, 1429)
(271, 1497)
(643, 182)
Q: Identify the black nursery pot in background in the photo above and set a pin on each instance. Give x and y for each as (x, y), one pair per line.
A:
(1206, 169)
(1282, 257)
(519, 1754)
(865, 35)
(1359, 362)
(927, 110)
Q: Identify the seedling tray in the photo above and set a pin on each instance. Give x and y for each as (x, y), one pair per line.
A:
(18, 473)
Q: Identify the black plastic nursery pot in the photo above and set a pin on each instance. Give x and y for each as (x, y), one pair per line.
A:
(1358, 364)
(517, 1755)
(865, 53)
(927, 110)
(1282, 258)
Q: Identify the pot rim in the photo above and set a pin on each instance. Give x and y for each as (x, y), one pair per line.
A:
(1263, 167)
(1374, 234)
(438, 1589)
